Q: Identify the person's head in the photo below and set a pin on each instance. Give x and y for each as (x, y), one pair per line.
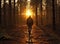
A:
(29, 16)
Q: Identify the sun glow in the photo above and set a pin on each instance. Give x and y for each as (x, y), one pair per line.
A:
(28, 12)
(28, 0)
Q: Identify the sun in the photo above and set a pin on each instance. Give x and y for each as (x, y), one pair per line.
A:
(28, 0)
(28, 12)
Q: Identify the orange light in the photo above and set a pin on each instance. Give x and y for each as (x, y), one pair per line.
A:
(28, 0)
(28, 12)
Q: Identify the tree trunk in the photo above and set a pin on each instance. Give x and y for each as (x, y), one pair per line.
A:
(14, 13)
(47, 15)
(0, 12)
(36, 16)
(4, 17)
(53, 15)
(41, 14)
(10, 14)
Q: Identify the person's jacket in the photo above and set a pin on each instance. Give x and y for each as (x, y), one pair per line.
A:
(29, 21)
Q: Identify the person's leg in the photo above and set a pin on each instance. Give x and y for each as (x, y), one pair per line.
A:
(29, 31)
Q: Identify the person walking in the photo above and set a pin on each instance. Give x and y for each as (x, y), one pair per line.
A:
(29, 24)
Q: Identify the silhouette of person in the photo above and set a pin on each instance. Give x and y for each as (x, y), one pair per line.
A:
(29, 23)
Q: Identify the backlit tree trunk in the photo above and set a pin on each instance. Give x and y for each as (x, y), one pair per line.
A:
(41, 14)
(36, 16)
(4, 15)
(10, 14)
(14, 13)
(0, 12)
(53, 15)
